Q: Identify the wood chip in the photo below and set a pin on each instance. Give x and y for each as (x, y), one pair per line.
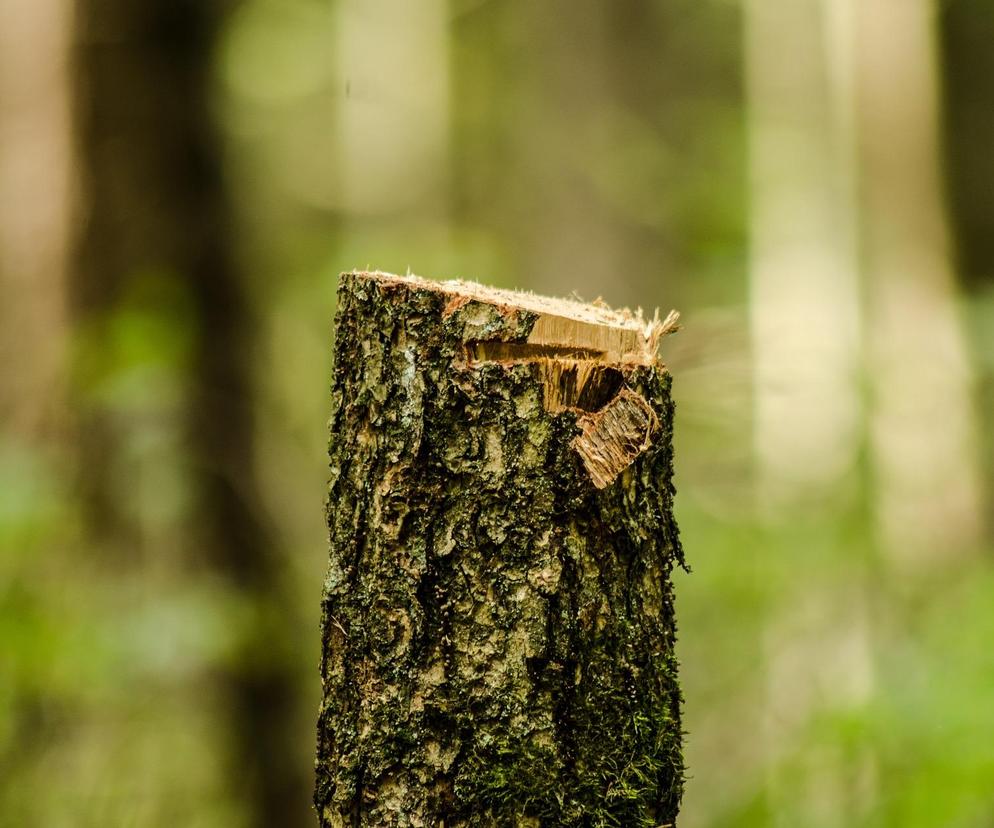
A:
(613, 437)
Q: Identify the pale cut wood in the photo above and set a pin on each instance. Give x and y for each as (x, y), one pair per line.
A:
(595, 330)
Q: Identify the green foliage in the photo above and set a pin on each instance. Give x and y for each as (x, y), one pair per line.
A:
(590, 147)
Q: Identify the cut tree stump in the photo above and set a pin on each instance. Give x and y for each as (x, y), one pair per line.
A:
(498, 628)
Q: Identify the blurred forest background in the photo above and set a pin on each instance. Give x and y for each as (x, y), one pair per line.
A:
(811, 182)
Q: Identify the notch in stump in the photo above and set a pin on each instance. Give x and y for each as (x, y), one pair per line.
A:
(581, 351)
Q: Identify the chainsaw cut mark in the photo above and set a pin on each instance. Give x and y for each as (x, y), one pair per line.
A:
(497, 351)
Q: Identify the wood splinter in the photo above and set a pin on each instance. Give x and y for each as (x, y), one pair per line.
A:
(614, 436)
(498, 627)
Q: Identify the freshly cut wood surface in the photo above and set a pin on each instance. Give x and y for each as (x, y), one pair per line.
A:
(568, 325)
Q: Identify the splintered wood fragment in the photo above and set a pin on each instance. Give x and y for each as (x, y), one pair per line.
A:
(614, 436)
(498, 626)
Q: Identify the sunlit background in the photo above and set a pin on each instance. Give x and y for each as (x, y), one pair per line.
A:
(811, 182)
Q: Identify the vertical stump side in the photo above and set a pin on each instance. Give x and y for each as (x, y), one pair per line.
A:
(498, 631)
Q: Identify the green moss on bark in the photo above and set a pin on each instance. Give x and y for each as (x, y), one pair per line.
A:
(498, 634)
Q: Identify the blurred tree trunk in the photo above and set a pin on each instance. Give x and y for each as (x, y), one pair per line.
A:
(967, 29)
(805, 329)
(156, 223)
(923, 429)
(34, 215)
(967, 32)
(408, 95)
(35, 185)
(806, 337)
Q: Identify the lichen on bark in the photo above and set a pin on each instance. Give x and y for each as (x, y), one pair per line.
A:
(498, 632)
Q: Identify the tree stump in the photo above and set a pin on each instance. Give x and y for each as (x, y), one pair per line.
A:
(498, 628)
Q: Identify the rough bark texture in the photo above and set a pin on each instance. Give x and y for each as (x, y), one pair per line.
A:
(498, 632)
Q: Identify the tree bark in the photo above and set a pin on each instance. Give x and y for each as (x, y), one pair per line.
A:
(498, 627)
